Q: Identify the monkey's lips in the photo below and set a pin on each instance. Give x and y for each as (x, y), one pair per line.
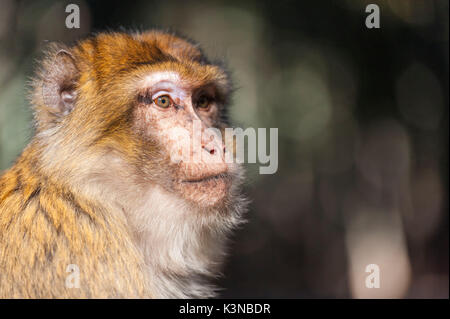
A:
(207, 190)
(209, 178)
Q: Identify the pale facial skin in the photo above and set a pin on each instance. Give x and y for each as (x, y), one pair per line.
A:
(179, 117)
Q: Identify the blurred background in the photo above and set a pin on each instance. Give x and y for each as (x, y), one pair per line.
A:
(362, 116)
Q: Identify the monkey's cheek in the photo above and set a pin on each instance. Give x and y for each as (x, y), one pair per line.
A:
(206, 193)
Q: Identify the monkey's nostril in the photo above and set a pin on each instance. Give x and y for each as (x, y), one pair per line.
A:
(211, 151)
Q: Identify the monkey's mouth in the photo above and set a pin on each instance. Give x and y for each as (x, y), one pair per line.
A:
(210, 178)
(207, 189)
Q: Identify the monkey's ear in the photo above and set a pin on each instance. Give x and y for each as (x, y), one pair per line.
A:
(59, 89)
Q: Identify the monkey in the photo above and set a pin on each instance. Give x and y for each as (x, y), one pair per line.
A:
(98, 186)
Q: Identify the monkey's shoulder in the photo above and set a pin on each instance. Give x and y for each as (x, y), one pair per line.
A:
(46, 232)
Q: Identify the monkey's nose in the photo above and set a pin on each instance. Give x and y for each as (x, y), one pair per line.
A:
(214, 147)
(212, 150)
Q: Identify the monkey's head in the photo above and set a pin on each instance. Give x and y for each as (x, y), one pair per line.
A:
(140, 108)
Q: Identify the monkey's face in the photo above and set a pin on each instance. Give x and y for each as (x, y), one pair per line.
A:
(149, 102)
(184, 122)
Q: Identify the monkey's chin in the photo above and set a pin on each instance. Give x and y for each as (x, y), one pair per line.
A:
(209, 192)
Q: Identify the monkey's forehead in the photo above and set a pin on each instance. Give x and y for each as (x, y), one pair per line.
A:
(108, 55)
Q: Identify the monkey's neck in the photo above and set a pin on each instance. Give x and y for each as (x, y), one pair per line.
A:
(183, 246)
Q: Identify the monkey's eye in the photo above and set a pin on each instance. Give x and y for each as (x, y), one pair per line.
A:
(203, 102)
(163, 101)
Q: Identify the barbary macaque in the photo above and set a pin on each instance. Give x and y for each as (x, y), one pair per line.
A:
(100, 187)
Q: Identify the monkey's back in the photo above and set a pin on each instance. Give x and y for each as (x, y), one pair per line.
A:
(47, 232)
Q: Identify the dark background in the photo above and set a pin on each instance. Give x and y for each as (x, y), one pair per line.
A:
(362, 116)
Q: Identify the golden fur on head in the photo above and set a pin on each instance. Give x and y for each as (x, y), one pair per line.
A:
(88, 189)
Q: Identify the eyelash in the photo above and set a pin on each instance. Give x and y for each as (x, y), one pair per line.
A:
(148, 99)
